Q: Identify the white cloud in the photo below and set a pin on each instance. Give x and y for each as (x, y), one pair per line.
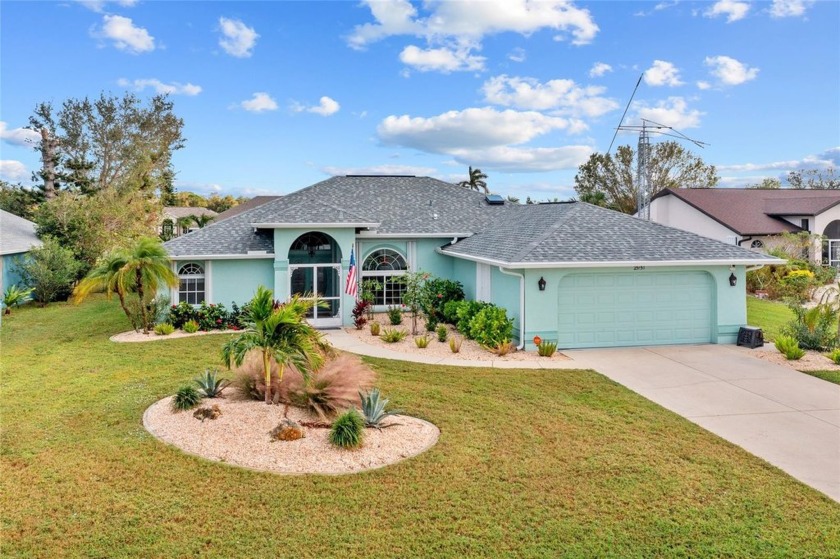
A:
(173, 88)
(732, 9)
(599, 69)
(442, 59)
(729, 71)
(472, 128)
(261, 101)
(12, 170)
(237, 38)
(381, 170)
(99, 5)
(564, 96)
(517, 55)
(524, 159)
(18, 136)
(789, 8)
(703, 85)
(326, 107)
(663, 73)
(673, 112)
(823, 160)
(125, 35)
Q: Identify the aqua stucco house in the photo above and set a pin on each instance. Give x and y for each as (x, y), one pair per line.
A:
(17, 238)
(572, 272)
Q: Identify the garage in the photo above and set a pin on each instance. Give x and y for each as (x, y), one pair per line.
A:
(635, 308)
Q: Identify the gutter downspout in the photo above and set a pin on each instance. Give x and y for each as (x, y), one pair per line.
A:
(521, 304)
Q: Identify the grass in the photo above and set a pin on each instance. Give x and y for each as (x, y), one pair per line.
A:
(830, 376)
(531, 463)
(770, 316)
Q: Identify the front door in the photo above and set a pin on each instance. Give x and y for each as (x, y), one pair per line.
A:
(322, 283)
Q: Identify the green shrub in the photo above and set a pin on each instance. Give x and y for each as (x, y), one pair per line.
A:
(393, 335)
(455, 344)
(395, 315)
(814, 328)
(546, 348)
(450, 311)
(442, 332)
(491, 326)
(186, 398)
(422, 342)
(439, 292)
(431, 323)
(50, 269)
(348, 430)
(190, 327)
(374, 328)
(466, 312)
(835, 356)
(210, 385)
(789, 347)
(164, 329)
(373, 409)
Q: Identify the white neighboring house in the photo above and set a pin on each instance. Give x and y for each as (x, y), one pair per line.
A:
(17, 238)
(751, 217)
(175, 220)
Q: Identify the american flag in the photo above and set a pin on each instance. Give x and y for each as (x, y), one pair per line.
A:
(352, 288)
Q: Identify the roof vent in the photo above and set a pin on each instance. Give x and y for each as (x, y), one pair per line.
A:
(494, 200)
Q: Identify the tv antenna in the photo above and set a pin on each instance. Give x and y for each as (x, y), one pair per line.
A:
(645, 129)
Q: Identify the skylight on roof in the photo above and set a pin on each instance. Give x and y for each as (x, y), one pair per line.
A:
(495, 199)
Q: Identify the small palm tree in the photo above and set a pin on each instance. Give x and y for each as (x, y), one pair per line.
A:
(202, 220)
(141, 269)
(476, 181)
(280, 333)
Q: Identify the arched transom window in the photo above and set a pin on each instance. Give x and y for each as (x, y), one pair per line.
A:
(191, 283)
(385, 266)
(757, 244)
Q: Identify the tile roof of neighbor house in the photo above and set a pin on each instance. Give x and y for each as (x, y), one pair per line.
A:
(245, 206)
(17, 235)
(753, 211)
(177, 212)
(418, 206)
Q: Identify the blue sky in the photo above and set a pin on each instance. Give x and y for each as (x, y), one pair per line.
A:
(279, 95)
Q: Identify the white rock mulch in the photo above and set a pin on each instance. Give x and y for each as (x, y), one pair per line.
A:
(133, 336)
(811, 361)
(240, 436)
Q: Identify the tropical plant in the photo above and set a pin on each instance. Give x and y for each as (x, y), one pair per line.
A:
(374, 328)
(475, 181)
(14, 297)
(360, 312)
(455, 344)
(546, 348)
(439, 292)
(281, 334)
(164, 329)
(835, 356)
(393, 335)
(414, 294)
(50, 269)
(466, 311)
(442, 332)
(814, 328)
(491, 326)
(210, 384)
(422, 342)
(138, 271)
(202, 221)
(369, 289)
(503, 348)
(186, 398)
(190, 327)
(348, 430)
(395, 315)
(789, 347)
(373, 409)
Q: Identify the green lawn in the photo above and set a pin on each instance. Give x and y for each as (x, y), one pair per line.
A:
(830, 376)
(770, 316)
(529, 464)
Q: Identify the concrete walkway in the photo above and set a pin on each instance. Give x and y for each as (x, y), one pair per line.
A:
(788, 418)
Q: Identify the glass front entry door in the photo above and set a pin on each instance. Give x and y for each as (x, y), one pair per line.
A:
(321, 282)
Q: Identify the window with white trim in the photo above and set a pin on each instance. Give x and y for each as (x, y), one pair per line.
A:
(386, 266)
(191, 284)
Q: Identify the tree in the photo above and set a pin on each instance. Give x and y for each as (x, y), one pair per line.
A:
(476, 181)
(202, 220)
(139, 270)
(18, 200)
(281, 334)
(767, 184)
(220, 204)
(670, 166)
(110, 142)
(49, 269)
(814, 179)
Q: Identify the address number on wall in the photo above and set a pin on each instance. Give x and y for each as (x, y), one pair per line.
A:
(637, 268)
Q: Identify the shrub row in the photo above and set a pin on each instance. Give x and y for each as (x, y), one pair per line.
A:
(483, 322)
(208, 317)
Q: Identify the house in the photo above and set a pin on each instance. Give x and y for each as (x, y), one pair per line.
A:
(572, 272)
(752, 217)
(17, 238)
(244, 206)
(178, 220)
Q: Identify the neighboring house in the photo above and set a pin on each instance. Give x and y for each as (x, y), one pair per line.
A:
(176, 220)
(244, 206)
(17, 237)
(572, 272)
(752, 217)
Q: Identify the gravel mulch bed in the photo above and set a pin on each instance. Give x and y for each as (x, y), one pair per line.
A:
(133, 336)
(811, 361)
(240, 436)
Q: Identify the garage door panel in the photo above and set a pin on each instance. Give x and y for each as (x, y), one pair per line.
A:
(639, 308)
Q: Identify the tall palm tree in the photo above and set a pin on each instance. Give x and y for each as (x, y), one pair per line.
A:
(280, 333)
(476, 181)
(141, 269)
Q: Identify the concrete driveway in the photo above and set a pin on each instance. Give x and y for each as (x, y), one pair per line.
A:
(788, 418)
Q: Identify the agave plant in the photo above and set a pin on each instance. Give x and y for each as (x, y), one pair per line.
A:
(210, 385)
(373, 408)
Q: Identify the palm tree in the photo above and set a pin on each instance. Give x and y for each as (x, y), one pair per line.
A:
(141, 269)
(280, 333)
(202, 220)
(476, 181)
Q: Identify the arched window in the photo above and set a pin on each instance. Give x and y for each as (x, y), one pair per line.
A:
(757, 244)
(387, 267)
(191, 287)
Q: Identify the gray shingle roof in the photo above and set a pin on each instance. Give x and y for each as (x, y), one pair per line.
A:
(510, 233)
(17, 235)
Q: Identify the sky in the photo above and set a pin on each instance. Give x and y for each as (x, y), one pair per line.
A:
(276, 96)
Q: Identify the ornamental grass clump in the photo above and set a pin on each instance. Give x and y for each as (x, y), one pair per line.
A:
(455, 344)
(186, 398)
(546, 348)
(375, 328)
(422, 342)
(503, 348)
(164, 329)
(348, 430)
(393, 335)
(190, 327)
(395, 315)
(789, 347)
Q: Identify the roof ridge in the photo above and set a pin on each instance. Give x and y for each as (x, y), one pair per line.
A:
(549, 231)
